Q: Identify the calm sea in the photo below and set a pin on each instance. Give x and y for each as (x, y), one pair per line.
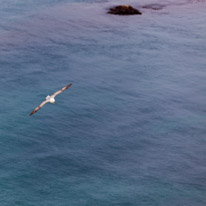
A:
(131, 131)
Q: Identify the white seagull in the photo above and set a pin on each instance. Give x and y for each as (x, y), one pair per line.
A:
(50, 99)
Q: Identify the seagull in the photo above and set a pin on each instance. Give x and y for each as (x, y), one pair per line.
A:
(50, 99)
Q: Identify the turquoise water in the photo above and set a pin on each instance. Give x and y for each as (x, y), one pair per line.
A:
(130, 131)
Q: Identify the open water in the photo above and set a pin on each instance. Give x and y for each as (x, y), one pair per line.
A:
(131, 131)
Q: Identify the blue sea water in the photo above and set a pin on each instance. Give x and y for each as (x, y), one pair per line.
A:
(132, 128)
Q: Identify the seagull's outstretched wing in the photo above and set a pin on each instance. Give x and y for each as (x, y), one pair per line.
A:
(61, 90)
(39, 107)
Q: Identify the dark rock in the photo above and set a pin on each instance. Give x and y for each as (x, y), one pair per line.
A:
(154, 6)
(124, 10)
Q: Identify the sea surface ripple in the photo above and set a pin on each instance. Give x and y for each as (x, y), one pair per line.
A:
(132, 128)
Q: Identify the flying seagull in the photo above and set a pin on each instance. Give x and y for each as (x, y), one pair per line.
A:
(50, 99)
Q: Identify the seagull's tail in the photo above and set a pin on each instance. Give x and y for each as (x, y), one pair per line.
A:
(47, 97)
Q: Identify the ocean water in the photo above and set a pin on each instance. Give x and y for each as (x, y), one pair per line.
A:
(131, 131)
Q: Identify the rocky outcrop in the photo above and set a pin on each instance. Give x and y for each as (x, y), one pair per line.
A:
(154, 6)
(124, 10)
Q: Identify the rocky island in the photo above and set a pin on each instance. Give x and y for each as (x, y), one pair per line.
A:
(124, 10)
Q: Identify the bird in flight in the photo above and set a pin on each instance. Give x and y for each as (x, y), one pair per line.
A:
(50, 99)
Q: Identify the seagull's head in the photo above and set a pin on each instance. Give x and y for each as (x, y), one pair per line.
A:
(52, 100)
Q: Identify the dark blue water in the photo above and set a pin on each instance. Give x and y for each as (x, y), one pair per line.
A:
(132, 128)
